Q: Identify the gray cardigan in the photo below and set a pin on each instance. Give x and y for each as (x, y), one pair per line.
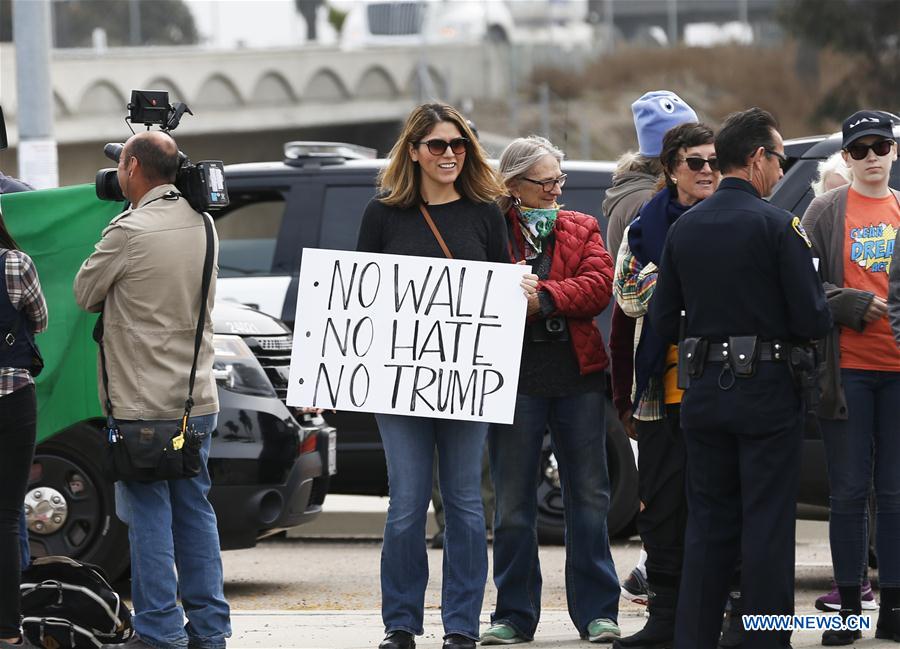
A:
(824, 222)
(894, 291)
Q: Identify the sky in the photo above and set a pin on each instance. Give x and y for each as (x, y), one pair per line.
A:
(251, 23)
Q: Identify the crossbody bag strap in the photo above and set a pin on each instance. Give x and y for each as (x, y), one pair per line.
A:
(9, 337)
(204, 295)
(435, 231)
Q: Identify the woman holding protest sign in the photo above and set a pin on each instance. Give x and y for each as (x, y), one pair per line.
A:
(436, 199)
(23, 312)
(561, 384)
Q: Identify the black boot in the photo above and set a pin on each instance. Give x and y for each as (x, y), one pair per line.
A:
(733, 625)
(398, 640)
(851, 604)
(659, 631)
(888, 627)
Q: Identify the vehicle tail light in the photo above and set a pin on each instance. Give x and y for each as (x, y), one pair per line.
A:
(308, 445)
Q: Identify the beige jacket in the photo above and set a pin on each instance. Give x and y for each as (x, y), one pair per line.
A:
(145, 274)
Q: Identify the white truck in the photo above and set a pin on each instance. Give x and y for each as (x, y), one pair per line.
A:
(374, 23)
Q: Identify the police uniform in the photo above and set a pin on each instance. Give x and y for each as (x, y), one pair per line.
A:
(739, 267)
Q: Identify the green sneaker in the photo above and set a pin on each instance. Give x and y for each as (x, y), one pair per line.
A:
(603, 630)
(501, 634)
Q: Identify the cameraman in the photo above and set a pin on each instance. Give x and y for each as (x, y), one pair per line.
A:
(145, 275)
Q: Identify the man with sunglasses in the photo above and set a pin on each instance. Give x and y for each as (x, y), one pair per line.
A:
(853, 231)
(741, 271)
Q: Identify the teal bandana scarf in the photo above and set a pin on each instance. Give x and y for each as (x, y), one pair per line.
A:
(537, 224)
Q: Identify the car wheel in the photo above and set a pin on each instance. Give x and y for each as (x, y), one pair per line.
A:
(622, 478)
(70, 506)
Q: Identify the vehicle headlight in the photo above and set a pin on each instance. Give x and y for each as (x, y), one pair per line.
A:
(236, 369)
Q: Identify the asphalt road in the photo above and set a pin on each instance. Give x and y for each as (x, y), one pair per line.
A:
(319, 587)
(333, 564)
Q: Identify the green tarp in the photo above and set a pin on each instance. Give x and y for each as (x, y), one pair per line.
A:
(58, 229)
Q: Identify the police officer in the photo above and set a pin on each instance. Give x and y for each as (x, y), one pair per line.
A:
(741, 272)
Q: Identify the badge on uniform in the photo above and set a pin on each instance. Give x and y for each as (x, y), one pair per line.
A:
(800, 231)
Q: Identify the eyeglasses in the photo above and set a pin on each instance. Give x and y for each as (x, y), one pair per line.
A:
(547, 185)
(697, 163)
(437, 147)
(782, 159)
(860, 151)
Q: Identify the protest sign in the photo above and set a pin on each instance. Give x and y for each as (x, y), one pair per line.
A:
(403, 335)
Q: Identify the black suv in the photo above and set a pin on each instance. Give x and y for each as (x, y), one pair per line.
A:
(315, 198)
(269, 471)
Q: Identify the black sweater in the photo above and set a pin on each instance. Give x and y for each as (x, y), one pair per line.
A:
(473, 231)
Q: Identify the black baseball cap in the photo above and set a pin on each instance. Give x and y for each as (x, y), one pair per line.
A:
(866, 122)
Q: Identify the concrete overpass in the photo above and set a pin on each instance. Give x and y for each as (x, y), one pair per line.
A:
(246, 102)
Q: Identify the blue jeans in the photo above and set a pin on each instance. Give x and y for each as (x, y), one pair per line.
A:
(174, 528)
(578, 435)
(869, 440)
(24, 548)
(409, 445)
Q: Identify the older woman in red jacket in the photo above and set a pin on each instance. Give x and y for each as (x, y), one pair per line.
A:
(561, 385)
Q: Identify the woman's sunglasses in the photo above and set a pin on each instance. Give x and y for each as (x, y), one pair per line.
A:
(697, 163)
(437, 147)
(860, 151)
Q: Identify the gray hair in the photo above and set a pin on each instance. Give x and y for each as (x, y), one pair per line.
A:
(833, 164)
(521, 155)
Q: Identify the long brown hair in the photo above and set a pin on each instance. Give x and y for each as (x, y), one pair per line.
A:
(6, 240)
(400, 181)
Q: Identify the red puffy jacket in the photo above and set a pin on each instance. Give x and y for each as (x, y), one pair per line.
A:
(580, 281)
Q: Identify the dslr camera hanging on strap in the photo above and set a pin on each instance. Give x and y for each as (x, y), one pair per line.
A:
(169, 449)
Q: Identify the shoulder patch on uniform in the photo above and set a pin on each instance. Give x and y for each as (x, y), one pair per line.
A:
(795, 223)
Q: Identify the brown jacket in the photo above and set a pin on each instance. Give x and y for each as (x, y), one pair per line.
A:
(824, 223)
(623, 201)
(145, 274)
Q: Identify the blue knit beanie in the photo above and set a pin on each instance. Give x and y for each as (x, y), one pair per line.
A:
(654, 114)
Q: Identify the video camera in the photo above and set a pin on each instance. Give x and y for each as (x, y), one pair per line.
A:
(202, 184)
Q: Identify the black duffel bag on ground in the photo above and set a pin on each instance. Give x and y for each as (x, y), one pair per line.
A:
(67, 604)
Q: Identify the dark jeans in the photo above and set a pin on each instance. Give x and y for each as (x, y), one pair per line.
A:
(661, 524)
(743, 458)
(578, 434)
(869, 440)
(17, 432)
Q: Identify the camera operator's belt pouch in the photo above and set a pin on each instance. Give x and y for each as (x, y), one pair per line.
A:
(147, 451)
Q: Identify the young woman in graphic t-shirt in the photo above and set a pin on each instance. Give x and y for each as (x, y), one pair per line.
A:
(853, 230)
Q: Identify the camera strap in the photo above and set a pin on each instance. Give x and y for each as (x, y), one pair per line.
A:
(435, 231)
(198, 336)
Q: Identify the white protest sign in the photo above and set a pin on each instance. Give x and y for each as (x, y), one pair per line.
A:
(405, 335)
